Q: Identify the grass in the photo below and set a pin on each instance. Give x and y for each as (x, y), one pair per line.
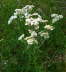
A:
(52, 57)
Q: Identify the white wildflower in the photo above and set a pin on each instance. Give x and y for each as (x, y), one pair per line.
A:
(31, 21)
(54, 15)
(18, 11)
(30, 40)
(55, 19)
(11, 19)
(44, 34)
(21, 37)
(60, 16)
(36, 14)
(25, 10)
(15, 14)
(39, 18)
(28, 21)
(27, 16)
(30, 31)
(28, 7)
(27, 38)
(33, 34)
(44, 21)
(49, 27)
(34, 21)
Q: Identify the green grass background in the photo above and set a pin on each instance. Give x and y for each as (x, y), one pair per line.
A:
(53, 55)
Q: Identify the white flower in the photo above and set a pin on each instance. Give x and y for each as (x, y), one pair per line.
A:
(27, 38)
(31, 21)
(28, 7)
(24, 11)
(34, 21)
(44, 34)
(27, 15)
(30, 40)
(11, 19)
(21, 37)
(18, 11)
(39, 18)
(54, 15)
(49, 27)
(30, 31)
(33, 34)
(15, 14)
(44, 21)
(36, 14)
(28, 21)
(60, 16)
(55, 20)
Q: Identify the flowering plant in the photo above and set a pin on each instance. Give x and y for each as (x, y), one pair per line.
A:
(37, 27)
(35, 30)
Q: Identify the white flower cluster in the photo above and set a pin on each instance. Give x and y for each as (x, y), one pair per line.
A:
(34, 22)
(48, 27)
(24, 11)
(56, 17)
